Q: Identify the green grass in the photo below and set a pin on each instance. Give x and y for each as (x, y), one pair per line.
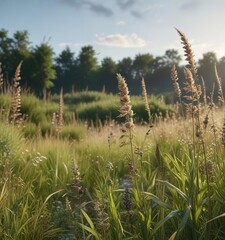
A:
(80, 183)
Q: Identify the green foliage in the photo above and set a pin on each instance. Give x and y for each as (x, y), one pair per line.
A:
(43, 73)
(73, 132)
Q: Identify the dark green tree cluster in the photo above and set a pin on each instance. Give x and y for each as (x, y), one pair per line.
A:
(37, 70)
(84, 71)
(43, 71)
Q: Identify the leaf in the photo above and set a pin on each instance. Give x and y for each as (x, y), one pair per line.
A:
(182, 194)
(219, 216)
(173, 236)
(158, 200)
(168, 217)
(90, 229)
(88, 219)
(184, 220)
(115, 214)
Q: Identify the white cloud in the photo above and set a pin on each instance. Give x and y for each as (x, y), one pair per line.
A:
(120, 40)
(121, 23)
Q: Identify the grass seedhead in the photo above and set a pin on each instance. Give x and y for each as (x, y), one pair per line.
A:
(220, 89)
(1, 77)
(188, 53)
(175, 79)
(15, 115)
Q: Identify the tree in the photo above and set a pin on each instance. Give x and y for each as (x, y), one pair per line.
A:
(42, 72)
(206, 69)
(171, 57)
(13, 51)
(87, 68)
(5, 52)
(65, 68)
(160, 77)
(142, 65)
(21, 52)
(125, 68)
(107, 74)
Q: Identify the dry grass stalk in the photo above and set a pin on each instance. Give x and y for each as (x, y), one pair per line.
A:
(193, 90)
(223, 133)
(68, 206)
(204, 92)
(175, 79)
(15, 114)
(145, 98)
(54, 119)
(60, 113)
(220, 89)
(126, 111)
(76, 186)
(1, 77)
(125, 105)
(188, 54)
(102, 216)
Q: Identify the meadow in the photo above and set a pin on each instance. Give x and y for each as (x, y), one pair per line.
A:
(89, 165)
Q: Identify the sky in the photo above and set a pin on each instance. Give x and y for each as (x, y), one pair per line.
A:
(119, 28)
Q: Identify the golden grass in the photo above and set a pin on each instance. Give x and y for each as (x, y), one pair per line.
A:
(188, 53)
(15, 114)
(1, 77)
(145, 99)
(60, 114)
(219, 85)
(175, 79)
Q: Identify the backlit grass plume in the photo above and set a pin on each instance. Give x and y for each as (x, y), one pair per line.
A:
(188, 54)
(204, 91)
(145, 98)
(125, 109)
(125, 103)
(1, 77)
(175, 79)
(219, 85)
(15, 114)
(193, 93)
(127, 113)
(60, 113)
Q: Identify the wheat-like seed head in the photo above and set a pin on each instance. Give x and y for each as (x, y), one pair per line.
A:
(188, 53)
(126, 107)
(220, 89)
(54, 121)
(1, 77)
(60, 113)
(223, 133)
(102, 216)
(204, 91)
(68, 206)
(145, 98)
(193, 93)
(175, 79)
(15, 113)
(190, 86)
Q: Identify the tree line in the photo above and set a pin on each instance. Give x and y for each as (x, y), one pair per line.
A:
(43, 71)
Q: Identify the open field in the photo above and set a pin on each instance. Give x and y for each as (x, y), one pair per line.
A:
(153, 172)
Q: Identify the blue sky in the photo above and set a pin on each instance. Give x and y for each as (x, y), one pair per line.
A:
(119, 28)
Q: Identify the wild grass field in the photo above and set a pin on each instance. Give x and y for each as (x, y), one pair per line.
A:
(94, 166)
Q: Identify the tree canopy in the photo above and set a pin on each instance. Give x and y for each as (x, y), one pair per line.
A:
(43, 71)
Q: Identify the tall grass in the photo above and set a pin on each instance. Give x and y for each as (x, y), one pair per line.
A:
(151, 173)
